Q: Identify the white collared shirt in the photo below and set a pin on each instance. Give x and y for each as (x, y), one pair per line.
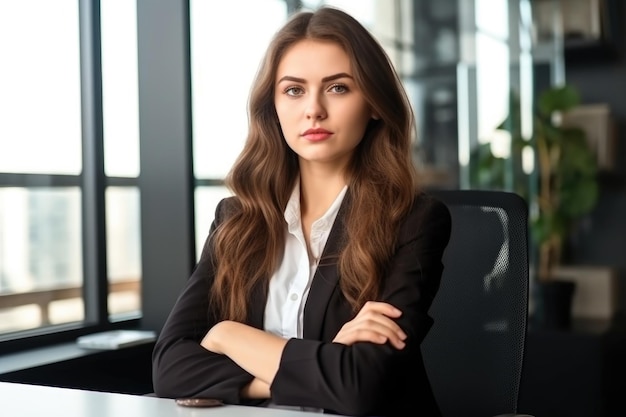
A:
(289, 286)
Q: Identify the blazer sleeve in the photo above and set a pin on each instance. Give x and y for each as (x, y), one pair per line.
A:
(362, 378)
(181, 367)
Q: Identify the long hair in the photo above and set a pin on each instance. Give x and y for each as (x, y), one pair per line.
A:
(381, 178)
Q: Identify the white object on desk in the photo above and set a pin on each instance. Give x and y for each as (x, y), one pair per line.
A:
(25, 400)
(116, 339)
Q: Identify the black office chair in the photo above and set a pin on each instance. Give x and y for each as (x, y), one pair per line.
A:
(474, 352)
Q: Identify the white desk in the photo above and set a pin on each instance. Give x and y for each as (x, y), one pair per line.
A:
(21, 400)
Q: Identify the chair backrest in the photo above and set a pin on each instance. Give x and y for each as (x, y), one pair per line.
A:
(474, 352)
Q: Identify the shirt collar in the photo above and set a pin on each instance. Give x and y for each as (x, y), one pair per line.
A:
(293, 214)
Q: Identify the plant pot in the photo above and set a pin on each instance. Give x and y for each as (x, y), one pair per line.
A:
(555, 304)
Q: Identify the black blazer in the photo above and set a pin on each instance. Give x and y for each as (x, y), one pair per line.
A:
(362, 379)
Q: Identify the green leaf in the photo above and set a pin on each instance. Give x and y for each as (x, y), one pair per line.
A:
(560, 98)
(548, 225)
(579, 198)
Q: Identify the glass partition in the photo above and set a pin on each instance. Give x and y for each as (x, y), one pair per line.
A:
(421, 38)
(503, 66)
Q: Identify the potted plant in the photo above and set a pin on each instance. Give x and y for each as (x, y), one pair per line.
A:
(568, 187)
(564, 189)
(567, 190)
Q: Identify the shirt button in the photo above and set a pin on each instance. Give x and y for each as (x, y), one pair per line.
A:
(294, 296)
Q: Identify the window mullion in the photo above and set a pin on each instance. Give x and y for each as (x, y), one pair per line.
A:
(95, 287)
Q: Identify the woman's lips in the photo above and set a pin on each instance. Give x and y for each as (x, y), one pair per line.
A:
(315, 135)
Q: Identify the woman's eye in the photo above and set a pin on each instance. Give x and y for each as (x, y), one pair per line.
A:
(338, 88)
(293, 91)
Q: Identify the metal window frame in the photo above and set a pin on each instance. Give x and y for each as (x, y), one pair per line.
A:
(92, 182)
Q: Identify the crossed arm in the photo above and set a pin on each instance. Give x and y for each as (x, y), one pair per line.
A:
(345, 376)
(259, 352)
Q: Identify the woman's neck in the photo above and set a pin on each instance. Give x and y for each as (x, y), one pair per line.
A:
(318, 191)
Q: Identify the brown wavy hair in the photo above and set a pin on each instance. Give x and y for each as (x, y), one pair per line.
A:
(381, 178)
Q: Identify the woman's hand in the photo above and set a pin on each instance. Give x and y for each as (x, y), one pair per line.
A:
(374, 323)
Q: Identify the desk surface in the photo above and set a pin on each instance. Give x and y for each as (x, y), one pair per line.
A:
(35, 401)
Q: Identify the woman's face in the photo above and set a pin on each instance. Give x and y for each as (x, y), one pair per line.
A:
(322, 112)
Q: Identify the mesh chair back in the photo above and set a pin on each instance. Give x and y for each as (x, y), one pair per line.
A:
(474, 352)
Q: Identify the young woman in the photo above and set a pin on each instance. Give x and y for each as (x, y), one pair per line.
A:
(314, 284)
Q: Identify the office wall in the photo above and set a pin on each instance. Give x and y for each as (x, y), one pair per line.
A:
(602, 79)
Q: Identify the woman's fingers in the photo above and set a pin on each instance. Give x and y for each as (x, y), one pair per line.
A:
(383, 313)
(382, 332)
(380, 307)
(374, 324)
(366, 335)
(373, 332)
(379, 322)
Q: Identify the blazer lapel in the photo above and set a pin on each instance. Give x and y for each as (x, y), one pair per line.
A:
(326, 278)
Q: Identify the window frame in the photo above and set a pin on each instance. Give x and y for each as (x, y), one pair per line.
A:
(92, 182)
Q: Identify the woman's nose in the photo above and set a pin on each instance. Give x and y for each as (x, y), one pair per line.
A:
(315, 108)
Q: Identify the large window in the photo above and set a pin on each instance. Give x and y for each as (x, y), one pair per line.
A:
(40, 164)
(54, 127)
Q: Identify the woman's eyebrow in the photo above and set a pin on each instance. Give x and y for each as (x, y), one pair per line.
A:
(336, 77)
(324, 80)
